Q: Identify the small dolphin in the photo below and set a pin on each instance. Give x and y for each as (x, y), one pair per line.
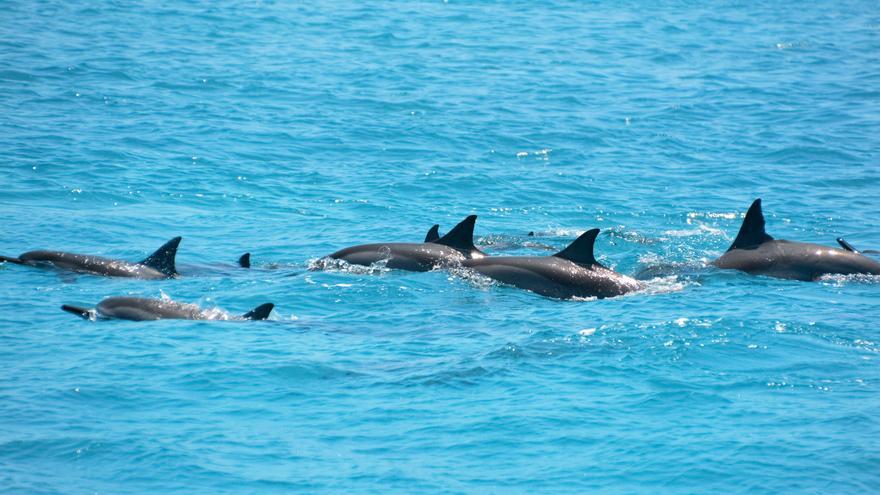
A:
(755, 252)
(456, 246)
(572, 272)
(156, 266)
(141, 309)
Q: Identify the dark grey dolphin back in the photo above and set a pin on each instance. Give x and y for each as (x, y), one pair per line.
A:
(433, 234)
(581, 250)
(461, 237)
(163, 259)
(751, 233)
(261, 312)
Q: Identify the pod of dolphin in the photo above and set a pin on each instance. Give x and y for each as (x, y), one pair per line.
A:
(571, 273)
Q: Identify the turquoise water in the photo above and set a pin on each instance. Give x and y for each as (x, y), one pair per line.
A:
(291, 131)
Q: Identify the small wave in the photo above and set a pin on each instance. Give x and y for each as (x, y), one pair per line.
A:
(557, 232)
(621, 232)
(335, 265)
(499, 242)
(216, 314)
(542, 154)
(583, 299)
(472, 277)
(664, 285)
(711, 214)
(700, 230)
(838, 280)
(461, 376)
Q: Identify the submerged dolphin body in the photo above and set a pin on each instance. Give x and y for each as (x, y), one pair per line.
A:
(572, 272)
(156, 266)
(454, 247)
(141, 309)
(755, 252)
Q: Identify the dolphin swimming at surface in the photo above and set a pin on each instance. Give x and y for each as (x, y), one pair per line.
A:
(754, 251)
(142, 309)
(454, 247)
(572, 272)
(158, 265)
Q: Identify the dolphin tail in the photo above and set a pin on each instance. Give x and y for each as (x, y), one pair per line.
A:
(9, 259)
(245, 260)
(751, 233)
(461, 237)
(84, 313)
(163, 259)
(261, 312)
(433, 234)
(581, 250)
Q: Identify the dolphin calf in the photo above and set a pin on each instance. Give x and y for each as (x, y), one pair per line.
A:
(156, 266)
(572, 272)
(456, 246)
(141, 309)
(755, 252)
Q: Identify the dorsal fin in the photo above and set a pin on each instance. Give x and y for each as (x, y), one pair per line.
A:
(245, 260)
(461, 236)
(163, 259)
(845, 245)
(751, 233)
(433, 234)
(261, 312)
(581, 250)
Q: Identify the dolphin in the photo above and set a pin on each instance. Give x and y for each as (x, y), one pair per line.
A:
(572, 272)
(158, 265)
(456, 246)
(755, 252)
(141, 309)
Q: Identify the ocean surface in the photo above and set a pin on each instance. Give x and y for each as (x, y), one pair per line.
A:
(293, 129)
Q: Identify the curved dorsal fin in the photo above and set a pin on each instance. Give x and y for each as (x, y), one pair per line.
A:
(845, 245)
(163, 259)
(261, 312)
(461, 236)
(581, 250)
(751, 233)
(433, 234)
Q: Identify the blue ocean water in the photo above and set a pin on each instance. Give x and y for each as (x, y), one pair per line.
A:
(291, 130)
